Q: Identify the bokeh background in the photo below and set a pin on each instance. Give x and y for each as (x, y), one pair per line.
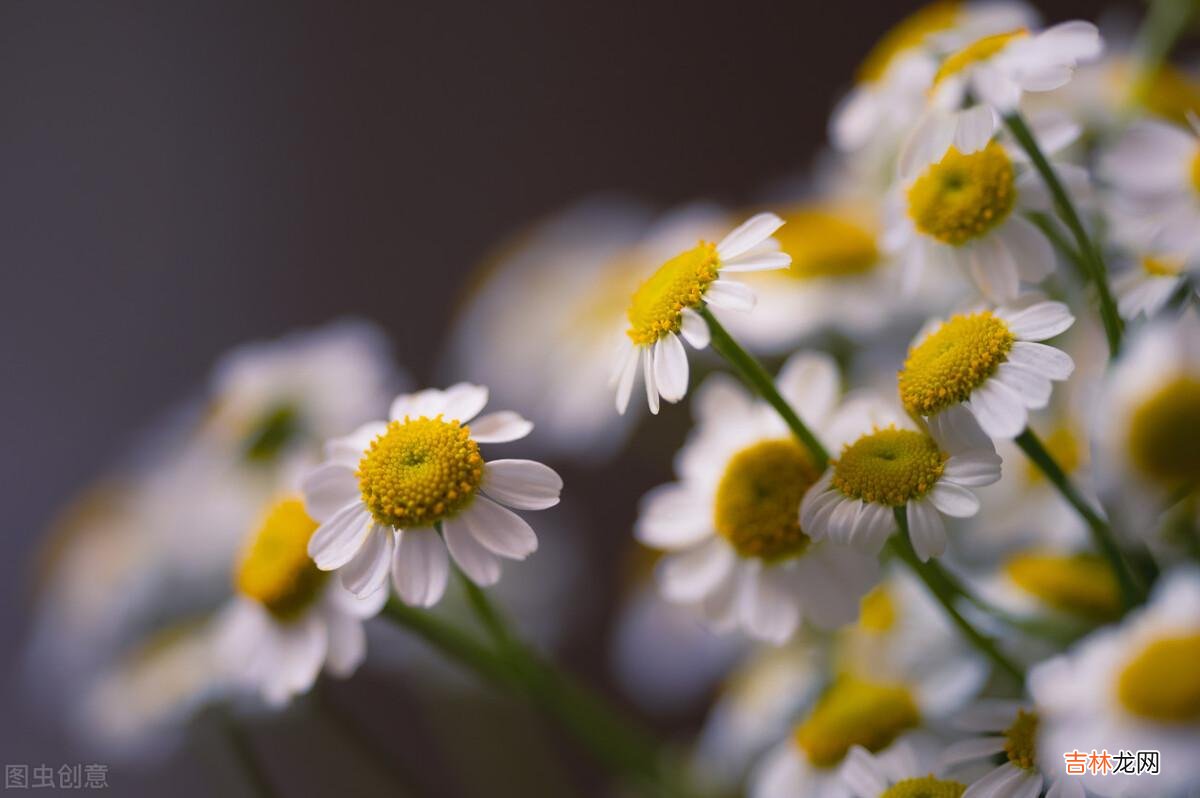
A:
(178, 177)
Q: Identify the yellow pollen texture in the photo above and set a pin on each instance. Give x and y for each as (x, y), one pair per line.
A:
(855, 712)
(925, 787)
(275, 569)
(826, 244)
(1080, 584)
(758, 500)
(953, 361)
(420, 471)
(889, 466)
(658, 303)
(963, 196)
(1020, 740)
(1196, 171)
(907, 34)
(1162, 683)
(975, 52)
(1164, 434)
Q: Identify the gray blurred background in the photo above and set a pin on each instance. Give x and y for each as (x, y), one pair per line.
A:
(176, 177)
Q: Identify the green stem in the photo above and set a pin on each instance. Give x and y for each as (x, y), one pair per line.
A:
(758, 379)
(942, 588)
(1101, 532)
(243, 752)
(1160, 30)
(1066, 210)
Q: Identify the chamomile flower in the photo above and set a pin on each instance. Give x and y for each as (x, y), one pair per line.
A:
(1063, 586)
(288, 619)
(663, 308)
(903, 771)
(385, 490)
(738, 550)
(886, 463)
(961, 199)
(988, 365)
(1132, 688)
(998, 68)
(1147, 284)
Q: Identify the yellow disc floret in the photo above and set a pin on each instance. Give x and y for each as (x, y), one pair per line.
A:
(953, 361)
(1080, 584)
(827, 244)
(1161, 265)
(877, 611)
(758, 499)
(976, 51)
(1162, 683)
(855, 712)
(1196, 171)
(889, 466)
(1020, 740)
(907, 34)
(658, 303)
(925, 787)
(420, 471)
(275, 569)
(964, 195)
(1164, 433)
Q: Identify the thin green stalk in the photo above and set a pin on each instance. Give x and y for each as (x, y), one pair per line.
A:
(1160, 30)
(935, 579)
(757, 378)
(243, 752)
(1090, 254)
(1102, 534)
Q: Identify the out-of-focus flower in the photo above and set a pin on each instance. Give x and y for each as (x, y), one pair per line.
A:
(664, 307)
(986, 365)
(1130, 688)
(961, 200)
(903, 770)
(1058, 585)
(731, 522)
(1147, 284)
(886, 463)
(385, 489)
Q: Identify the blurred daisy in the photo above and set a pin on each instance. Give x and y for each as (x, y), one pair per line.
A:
(900, 772)
(1069, 587)
(887, 463)
(961, 200)
(663, 308)
(288, 619)
(1147, 284)
(1130, 688)
(386, 491)
(998, 68)
(987, 365)
(731, 522)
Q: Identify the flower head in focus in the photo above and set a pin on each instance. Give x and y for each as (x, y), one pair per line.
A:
(397, 494)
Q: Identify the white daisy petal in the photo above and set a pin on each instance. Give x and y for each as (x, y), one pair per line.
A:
(1001, 781)
(1051, 363)
(428, 402)
(480, 565)
(669, 518)
(973, 469)
(926, 529)
(648, 379)
(420, 567)
(1033, 388)
(500, 427)
(970, 750)
(1038, 322)
(690, 575)
(348, 451)
(347, 644)
(367, 572)
(975, 128)
(954, 500)
(694, 329)
(1031, 250)
(767, 605)
(730, 295)
(861, 773)
(748, 235)
(767, 261)
(628, 374)
(671, 367)
(336, 541)
(998, 410)
(464, 401)
(500, 530)
(327, 489)
(522, 484)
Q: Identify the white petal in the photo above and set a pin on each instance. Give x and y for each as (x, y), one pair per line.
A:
(522, 484)
(748, 235)
(1001, 781)
(998, 410)
(954, 500)
(1031, 250)
(628, 373)
(767, 606)
(337, 540)
(1039, 321)
(926, 529)
(993, 269)
(969, 750)
(670, 368)
(464, 401)
(1051, 363)
(810, 383)
(690, 575)
(500, 427)
(957, 432)
(1074, 41)
(327, 489)
(842, 520)
(1054, 130)
(479, 564)
(973, 468)
(874, 525)
(349, 450)
(669, 518)
(347, 645)
(500, 530)
(861, 772)
(975, 128)
(420, 567)
(762, 262)
(648, 379)
(368, 571)
(428, 402)
(694, 329)
(1033, 388)
(730, 296)
(995, 87)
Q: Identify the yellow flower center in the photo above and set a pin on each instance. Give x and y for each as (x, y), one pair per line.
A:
(855, 712)
(877, 611)
(1081, 584)
(1165, 266)
(1020, 740)
(658, 303)
(908, 34)
(825, 244)
(1065, 446)
(953, 361)
(1196, 171)
(963, 196)
(925, 787)
(975, 52)
(275, 569)
(1164, 433)
(420, 471)
(889, 466)
(1162, 683)
(1168, 92)
(758, 500)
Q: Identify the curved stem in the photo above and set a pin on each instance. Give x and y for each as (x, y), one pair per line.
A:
(243, 751)
(943, 590)
(1102, 533)
(1066, 210)
(758, 379)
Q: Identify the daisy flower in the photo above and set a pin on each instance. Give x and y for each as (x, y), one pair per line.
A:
(1000, 67)
(988, 365)
(1131, 688)
(384, 492)
(961, 199)
(1147, 284)
(886, 463)
(1063, 586)
(903, 771)
(663, 308)
(731, 521)
(288, 619)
